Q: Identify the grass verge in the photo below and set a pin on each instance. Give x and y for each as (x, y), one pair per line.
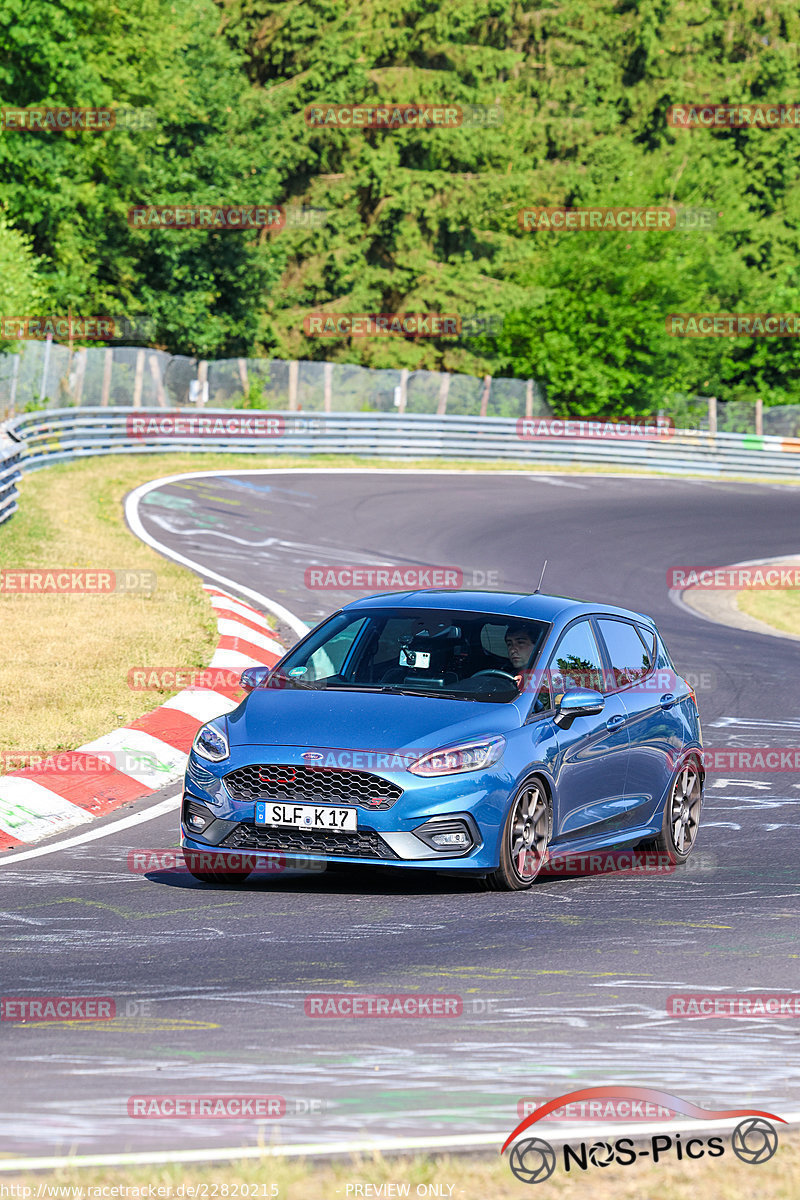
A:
(780, 609)
(457, 1177)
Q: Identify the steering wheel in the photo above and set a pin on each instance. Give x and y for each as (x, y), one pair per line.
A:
(495, 671)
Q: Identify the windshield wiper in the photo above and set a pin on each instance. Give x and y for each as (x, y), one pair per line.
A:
(419, 692)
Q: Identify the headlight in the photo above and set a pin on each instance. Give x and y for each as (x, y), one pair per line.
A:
(210, 742)
(468, 756)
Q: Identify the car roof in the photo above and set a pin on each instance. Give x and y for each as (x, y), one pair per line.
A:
(537, 606)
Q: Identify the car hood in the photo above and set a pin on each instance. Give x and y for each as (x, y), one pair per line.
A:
(363, 720)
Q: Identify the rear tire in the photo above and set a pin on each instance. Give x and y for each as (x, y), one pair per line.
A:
(681, 814)
(523, 845)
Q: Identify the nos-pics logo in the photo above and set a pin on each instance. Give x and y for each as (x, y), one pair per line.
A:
(533, 1160)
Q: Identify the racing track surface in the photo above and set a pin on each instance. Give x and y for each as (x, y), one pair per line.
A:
(564, 986)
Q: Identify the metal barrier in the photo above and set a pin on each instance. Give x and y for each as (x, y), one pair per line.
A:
(61, 435)
(11, 454)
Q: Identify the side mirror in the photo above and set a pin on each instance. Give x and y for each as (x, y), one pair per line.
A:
(580, 702)
(253, 677)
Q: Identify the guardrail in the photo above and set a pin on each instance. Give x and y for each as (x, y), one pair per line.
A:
(11, 454)
(60, 435)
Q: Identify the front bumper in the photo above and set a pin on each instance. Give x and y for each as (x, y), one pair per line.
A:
(477, 800)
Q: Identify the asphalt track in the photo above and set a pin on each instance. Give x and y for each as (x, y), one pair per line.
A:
(563, 986)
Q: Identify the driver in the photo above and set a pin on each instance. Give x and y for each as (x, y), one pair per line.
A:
(519, 646)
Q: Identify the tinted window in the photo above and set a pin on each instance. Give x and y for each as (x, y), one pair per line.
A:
(662, 655)
(649, 638)
(629, 658)
(538, 683)
(477, 656)
(576, 661)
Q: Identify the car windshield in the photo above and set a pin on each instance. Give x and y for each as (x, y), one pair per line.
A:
(461, 655)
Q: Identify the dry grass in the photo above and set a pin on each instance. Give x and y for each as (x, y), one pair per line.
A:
(470, 1178)
(780, 609)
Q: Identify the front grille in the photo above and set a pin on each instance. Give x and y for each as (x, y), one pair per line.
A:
(364, 844)
(318, 785)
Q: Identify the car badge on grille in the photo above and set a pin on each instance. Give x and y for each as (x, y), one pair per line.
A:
(375, 801)
(313, 757)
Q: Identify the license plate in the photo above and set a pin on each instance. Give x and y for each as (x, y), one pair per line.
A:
(306, 816)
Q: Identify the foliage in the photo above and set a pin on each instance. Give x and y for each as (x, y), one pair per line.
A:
(423, 219)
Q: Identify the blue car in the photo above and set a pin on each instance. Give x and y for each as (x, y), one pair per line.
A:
(485, 733)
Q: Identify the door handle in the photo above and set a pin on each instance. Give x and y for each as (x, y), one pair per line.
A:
(668, 700)
(615, 722)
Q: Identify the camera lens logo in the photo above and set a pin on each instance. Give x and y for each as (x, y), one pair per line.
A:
(532, 1161)
(754, 1140)
(601, 1154)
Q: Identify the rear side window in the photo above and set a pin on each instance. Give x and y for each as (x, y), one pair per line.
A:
(576, 661)
(629, 658)
(648, 636)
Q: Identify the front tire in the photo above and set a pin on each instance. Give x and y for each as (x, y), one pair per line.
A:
(681, 815)
(523, 845)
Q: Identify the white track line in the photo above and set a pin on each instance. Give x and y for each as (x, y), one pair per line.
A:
(157, 810)
(135, 522)
(463, 1142)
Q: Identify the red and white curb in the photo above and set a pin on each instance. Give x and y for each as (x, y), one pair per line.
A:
(70, 789)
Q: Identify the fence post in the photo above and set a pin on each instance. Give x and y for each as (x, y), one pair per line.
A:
(138, 379)
(327, 384)
(243, 375)
(759, 416)
(487, 384)
(80, 374)
(14, 377)
(108, 365)
(401, 408)
(155, 371)
(202, 381)
(444, 392)
(46, 366)
(712, 414)
(529, 399)
(294, 372)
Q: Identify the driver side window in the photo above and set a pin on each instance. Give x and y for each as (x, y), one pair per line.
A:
(576, 661)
